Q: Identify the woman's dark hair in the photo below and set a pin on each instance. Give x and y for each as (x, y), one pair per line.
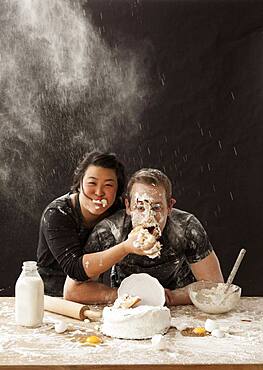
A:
(105, 160)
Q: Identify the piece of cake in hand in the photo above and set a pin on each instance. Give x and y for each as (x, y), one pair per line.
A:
(144, 238)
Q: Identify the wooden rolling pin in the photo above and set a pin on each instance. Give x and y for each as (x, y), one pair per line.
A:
(69, 308)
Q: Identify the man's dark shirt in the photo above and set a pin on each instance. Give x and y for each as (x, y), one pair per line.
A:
(184, 241)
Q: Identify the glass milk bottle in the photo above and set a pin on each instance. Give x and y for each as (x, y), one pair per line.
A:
(29, 296)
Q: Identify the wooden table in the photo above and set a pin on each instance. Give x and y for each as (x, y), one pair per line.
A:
(42, 348)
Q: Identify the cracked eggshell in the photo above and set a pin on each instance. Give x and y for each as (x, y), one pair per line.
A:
(218, 333)
(210, 325)
(60, 327)
(144, 286)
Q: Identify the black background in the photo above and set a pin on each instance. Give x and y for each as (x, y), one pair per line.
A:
(198, 108)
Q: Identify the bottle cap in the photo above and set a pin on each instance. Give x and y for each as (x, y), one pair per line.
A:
(30, 265)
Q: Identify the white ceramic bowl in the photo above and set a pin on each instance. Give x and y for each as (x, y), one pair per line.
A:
(210, 297)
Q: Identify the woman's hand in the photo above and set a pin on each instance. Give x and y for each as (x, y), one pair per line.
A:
(141, 242)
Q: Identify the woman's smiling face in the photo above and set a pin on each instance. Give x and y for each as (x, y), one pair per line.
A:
(98, 189)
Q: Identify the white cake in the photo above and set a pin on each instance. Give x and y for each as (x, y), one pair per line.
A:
(141, 322)
(138, 312)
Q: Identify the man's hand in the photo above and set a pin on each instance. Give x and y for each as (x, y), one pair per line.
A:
(168, 297)
(177, 297)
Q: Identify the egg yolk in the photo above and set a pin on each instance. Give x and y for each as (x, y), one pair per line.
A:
(93, 339)
(199, 330)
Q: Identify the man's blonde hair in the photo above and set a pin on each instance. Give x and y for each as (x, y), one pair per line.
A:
(150, 176)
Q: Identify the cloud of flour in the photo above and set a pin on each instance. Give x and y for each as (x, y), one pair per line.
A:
(62, 90)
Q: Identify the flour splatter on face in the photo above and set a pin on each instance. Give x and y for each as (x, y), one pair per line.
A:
(144, 222)
(144, 213)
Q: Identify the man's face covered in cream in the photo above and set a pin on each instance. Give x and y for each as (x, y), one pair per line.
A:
(148, 205)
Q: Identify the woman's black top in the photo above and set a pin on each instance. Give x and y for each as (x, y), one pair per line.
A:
(62, 236)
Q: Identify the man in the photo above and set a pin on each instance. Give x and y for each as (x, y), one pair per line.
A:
(114, 252)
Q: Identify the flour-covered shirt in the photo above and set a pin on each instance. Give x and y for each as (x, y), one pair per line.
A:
(184, 241)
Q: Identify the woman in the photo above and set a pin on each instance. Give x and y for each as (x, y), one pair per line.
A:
(66, 223)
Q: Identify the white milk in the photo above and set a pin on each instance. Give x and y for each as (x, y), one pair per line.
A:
(29, 296)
